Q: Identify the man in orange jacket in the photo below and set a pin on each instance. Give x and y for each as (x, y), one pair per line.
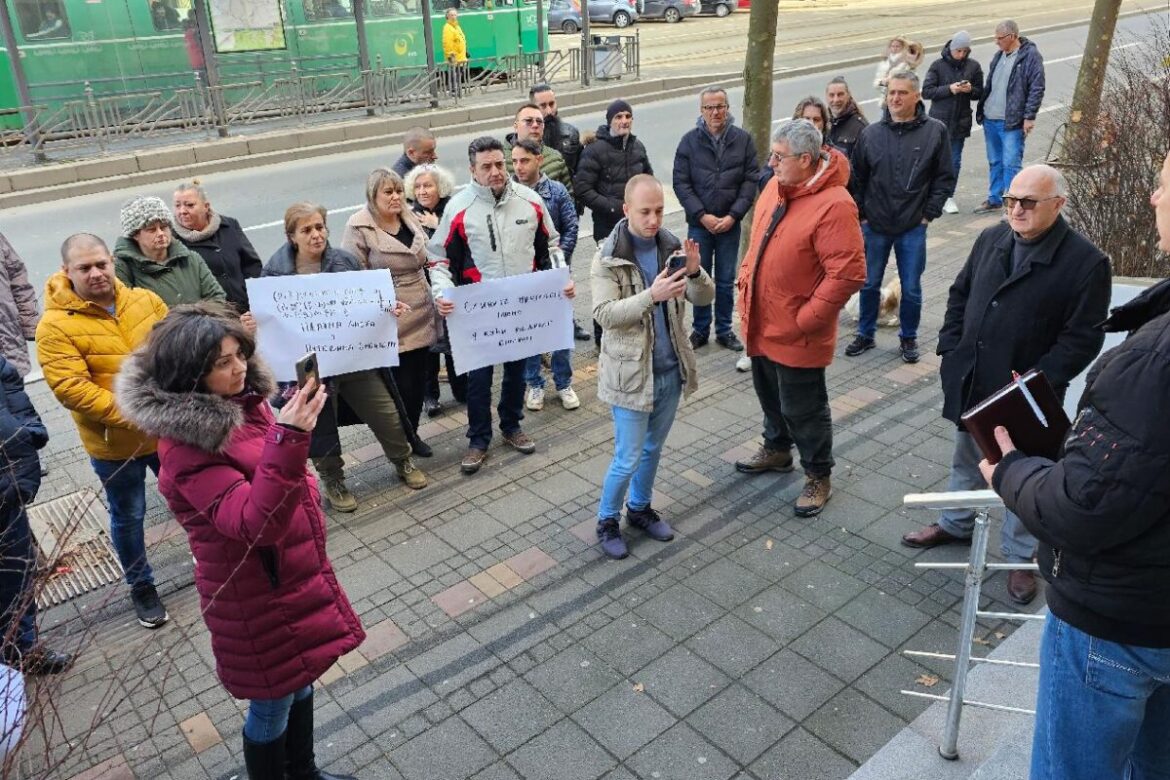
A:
(806, 258)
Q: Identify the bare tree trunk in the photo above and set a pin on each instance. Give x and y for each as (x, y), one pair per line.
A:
(757, 88)
(1087, 95)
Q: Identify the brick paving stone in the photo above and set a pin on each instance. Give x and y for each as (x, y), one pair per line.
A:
(530, 563)
(486, 584)
(505, 575)
(111, 769)
(459, 599)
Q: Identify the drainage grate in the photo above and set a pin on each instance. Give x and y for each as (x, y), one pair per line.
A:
(74, 546)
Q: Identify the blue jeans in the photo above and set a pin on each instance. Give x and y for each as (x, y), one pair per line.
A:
(638, 438)
(719, 256)
(562, 370)
(125, 485)
(910, 253)
(957, 159)
(1005, 157)
(18, 561)
(1102, 709)
(267, 719)
(479, 402)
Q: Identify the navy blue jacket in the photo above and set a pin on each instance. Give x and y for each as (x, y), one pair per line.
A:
(716, 179)
(1025, 87)
(21, 434)
(563, 212)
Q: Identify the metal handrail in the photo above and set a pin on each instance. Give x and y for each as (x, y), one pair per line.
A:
(975, 568)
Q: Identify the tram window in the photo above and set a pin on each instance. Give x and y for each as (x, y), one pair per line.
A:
(166, 15)
(42, 20)
(322, 10)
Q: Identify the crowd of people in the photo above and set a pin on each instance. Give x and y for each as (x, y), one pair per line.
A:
(152, 348)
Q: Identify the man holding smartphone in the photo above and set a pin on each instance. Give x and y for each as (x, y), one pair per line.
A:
(953, 82)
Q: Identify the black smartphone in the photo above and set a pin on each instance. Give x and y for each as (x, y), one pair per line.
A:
(677, 261)
(306, 369)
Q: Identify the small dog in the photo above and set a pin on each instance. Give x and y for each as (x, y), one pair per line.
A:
(887, 309)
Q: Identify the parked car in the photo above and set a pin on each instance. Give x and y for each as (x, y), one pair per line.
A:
(745, 4)
(719, 8)
(668, 10)
(565, 15)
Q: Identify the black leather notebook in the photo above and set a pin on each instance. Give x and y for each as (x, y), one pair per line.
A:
(1030, 410)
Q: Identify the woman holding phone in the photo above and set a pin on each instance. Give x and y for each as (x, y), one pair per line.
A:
(235, 477)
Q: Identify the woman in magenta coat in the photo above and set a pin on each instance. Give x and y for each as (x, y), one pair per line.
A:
(235, 477)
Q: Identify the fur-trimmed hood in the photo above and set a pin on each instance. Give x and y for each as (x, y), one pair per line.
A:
(200, 419)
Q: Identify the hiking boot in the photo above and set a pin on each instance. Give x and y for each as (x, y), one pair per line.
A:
(987, 206)
(950, 207)
(411, 474)
(472, 460)
(766, 459)
(817, 492)
(569, 398)
(744, 364)
(340, 499)
(649, 522)
(730, 341)
(909, 350)
(150, 609)
(520, 441)
(858, 345)
(610, 537)
(698, 339)
(534, 399)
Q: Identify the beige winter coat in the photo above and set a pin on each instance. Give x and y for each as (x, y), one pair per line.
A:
(623, 307)
(376, 248)
(18, 308)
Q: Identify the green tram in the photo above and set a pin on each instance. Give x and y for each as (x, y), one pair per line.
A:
(133, 46)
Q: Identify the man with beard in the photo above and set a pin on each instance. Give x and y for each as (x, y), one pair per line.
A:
(847, 121)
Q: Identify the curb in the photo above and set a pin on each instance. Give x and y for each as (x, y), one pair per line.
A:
(47, 183)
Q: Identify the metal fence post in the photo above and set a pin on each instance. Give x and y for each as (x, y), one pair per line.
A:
(949, 749)
(203, 25)
(29, 112)
(429, 46)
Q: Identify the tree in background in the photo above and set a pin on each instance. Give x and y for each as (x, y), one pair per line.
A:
(757, 89)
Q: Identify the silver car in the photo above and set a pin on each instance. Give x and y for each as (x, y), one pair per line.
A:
(565, 15)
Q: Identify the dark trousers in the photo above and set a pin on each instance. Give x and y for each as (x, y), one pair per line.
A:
(796, 411)
(458, 382)
(479, 403)
(411, 377)
(18, 560)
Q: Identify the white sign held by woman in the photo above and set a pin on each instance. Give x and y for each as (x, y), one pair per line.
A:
(346, 318)
(499, 320)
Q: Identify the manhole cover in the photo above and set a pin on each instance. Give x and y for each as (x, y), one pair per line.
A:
(74, 546)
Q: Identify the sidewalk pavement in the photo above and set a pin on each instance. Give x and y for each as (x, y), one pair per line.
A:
(502, 644)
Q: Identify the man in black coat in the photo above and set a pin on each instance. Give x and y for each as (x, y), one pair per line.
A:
(953, 81)
(715, 178)
(846, 120)
(902, 175)
(1102, 515)
(1031, 295)
(418, 148)
(558, 133)
(21, 434)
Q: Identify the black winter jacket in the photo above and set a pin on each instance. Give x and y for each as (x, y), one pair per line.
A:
(844, 130)
(1044, 316)
(565, 138)
(607, 163)
(902, 172)
(1102, 512)
(954, 111)
(21, 434)
(231, 258)
(717, 179)
(1025, 90)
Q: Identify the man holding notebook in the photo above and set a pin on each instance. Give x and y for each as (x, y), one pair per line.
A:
(1030, 295)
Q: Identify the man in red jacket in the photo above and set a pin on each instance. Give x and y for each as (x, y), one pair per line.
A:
(806, 258)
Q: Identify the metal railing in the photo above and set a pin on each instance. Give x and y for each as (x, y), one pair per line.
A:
(975, 568)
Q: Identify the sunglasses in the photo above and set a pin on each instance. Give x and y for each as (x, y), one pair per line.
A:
(1027, 204)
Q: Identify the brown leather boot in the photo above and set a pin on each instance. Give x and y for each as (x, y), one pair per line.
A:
(817, 492)
(1021, 587)
(766, 460)
(932, 535)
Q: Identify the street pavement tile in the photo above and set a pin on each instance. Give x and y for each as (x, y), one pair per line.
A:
(896, 673)
(512, 630)
(823, 586)
(726, 583)
(681, 681)
(517, 507)
(801, 756)
(839, 648)
(487, 584)
(498, 771)
(564, 752)
(621, 773)
(511, 715)
(562, 487)
(531, 562)
(629, 643)
(682, 754)
(795, 685)
(114, 768)
(382, 704)
(459, 598)
(453, 663)
(779, 614)
(472, 527)
(883, 617)
(573, 678)
(443, 752)
(772, 563)
(740, 723)
(418, 555)
(854, 724)
(733, 645)
(504, 575)
(679, 611)
(586, 531)
(200, 732)
(623, 719)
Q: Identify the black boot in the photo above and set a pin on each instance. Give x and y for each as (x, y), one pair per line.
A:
(264, 760)
(301, 764)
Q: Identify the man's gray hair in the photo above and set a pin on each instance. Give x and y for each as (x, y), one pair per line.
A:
(416, 135)
(1008, 27)
(1054, 177)
(713, 89)
(906, 75)
(801, 136)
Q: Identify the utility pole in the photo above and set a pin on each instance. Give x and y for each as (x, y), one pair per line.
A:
(363, 46)
(1091, 78)
(429, 46)
(757, 89)
(203, 25)
(27, 109)
(586, 51)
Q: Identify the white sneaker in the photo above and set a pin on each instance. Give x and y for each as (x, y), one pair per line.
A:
(569, 398)
(743, 364)
(950, 207)
(534, 399)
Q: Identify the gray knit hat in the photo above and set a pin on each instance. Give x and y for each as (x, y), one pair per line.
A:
(140, 211)
(961, 40)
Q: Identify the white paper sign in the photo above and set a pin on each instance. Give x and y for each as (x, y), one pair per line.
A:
(500, 320)
(346, 318)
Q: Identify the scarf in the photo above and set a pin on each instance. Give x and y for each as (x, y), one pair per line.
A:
(194, 236)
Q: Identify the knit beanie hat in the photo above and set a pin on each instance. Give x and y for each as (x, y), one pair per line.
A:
(140, 211)
(961, 40)
(615, 108)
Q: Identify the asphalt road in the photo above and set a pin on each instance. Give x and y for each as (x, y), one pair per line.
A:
(258, 196)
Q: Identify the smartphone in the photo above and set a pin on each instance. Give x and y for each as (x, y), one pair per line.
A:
(306, 369)
(677, 261)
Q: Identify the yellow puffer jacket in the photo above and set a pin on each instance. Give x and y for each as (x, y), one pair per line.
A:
(81, 346)
(454, 43)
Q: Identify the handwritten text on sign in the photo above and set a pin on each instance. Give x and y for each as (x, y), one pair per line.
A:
(499, 320)
(346, 318)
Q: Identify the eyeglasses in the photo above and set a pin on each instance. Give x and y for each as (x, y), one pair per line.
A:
(1027, 204)
(776, 156)
(532, 121)
(1001, 37)
(713, 109)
